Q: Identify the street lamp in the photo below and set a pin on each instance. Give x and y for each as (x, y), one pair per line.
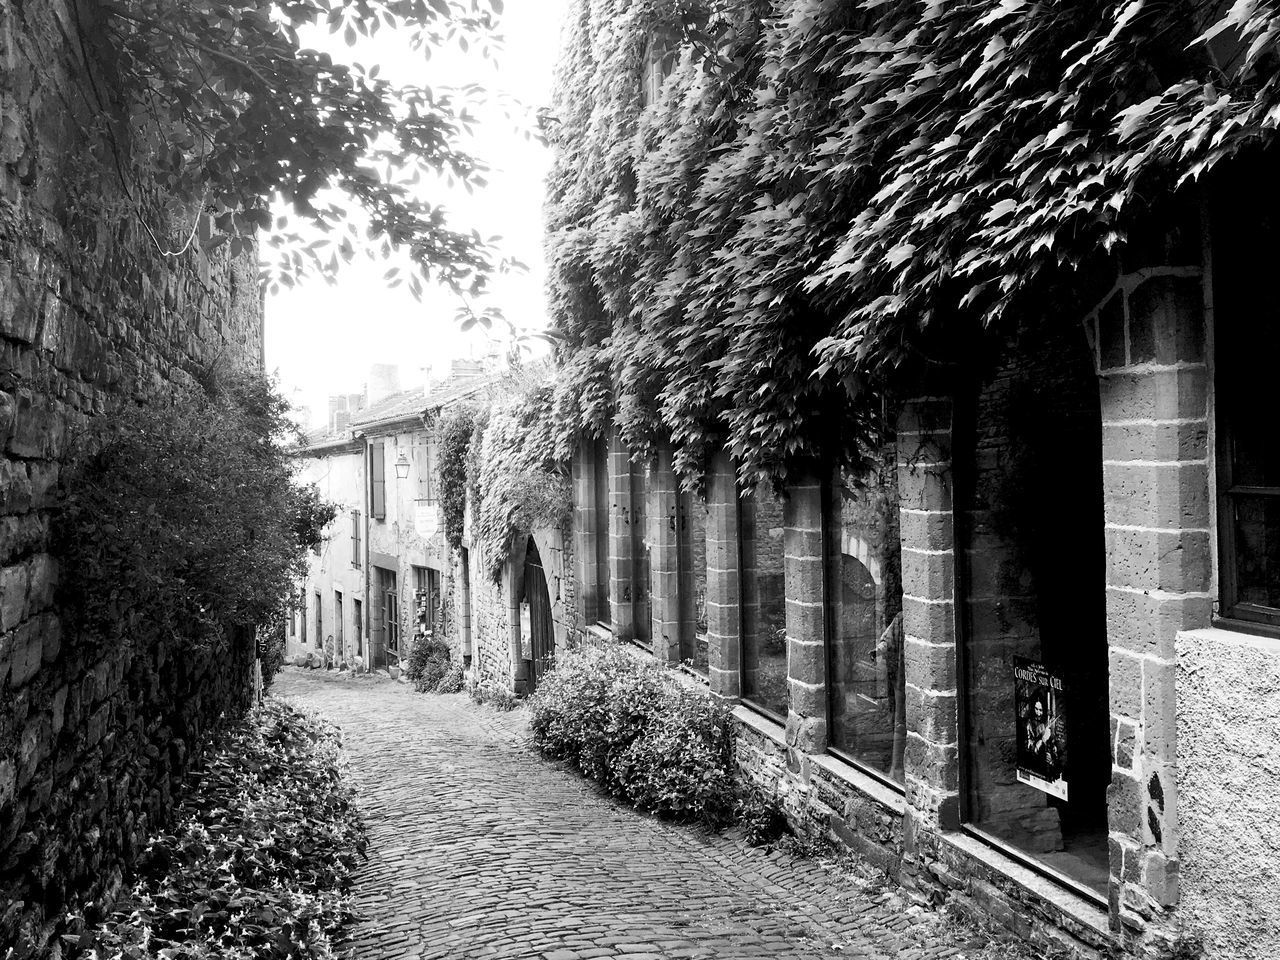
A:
(402, 466)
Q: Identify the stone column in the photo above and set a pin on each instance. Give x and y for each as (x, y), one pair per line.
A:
(662, 517)
(805, 571)
(724, 615)
(1149, 346)
(928, 614)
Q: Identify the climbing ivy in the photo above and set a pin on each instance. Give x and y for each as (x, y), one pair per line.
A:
(829, 196)
(517, 483)
(456, 426)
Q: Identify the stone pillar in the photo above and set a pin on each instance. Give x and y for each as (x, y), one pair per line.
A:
(621, 541)
(724, 615)
(662, 517)
(928, 614)
(1149, 346)
(806, 617)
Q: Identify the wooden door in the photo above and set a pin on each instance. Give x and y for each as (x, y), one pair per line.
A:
(542, 637)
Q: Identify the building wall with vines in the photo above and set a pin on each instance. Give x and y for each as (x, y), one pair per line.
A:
(102, 302)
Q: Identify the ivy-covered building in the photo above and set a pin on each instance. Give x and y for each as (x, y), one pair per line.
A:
(913, 383)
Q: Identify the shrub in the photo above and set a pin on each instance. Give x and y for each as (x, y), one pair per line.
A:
(451, 682)
(639, 733)
(429, 661)
(259, 859)
(761, 816)
(271, 647)
(486, 691)
(182, 516)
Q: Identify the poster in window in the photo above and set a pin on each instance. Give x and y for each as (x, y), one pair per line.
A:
(1040, 701)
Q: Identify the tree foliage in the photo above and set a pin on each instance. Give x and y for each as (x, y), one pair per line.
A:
(228, 108)
(828, 194)
(183, 517)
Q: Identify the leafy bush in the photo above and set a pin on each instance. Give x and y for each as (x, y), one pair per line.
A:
(183, 516)
(271, 648)
(485, 691)
(639, 733)
(429, 661)
(761, 816)
(259, 859)
(451, 682)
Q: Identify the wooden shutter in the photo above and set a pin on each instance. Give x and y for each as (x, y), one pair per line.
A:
(378, 480)
(355, 537)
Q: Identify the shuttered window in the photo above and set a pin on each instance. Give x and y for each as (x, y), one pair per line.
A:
(377, 481)
(355, 538)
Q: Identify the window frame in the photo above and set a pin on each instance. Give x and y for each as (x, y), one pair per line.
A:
(832, 527)
(356, 538)
(1230, 612)
(743, 698)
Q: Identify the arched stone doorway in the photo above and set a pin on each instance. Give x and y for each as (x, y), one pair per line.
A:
(535, 616)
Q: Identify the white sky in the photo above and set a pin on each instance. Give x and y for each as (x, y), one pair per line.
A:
(322, 339)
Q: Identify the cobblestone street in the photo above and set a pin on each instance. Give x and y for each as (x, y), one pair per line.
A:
(479, 848)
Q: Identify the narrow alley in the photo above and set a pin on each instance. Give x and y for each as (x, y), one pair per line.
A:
(479, 848)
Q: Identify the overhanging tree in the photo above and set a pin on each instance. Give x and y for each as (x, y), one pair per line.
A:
(227, 108)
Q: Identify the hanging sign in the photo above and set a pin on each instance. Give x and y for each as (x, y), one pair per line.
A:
(1040, 703)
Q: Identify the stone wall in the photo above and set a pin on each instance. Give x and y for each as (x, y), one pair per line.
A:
(1229, 760)
(93, 736)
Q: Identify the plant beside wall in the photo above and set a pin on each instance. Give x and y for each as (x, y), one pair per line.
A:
(456, 428)
(640, 733)
(258, 861)
(182, 518)
(516, 475)
(429, 663)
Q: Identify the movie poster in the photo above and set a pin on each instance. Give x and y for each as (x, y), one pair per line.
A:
(1040, 701)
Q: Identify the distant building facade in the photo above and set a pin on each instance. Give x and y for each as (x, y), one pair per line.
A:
(381, 575)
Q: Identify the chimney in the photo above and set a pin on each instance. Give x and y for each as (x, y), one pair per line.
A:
(466, 369)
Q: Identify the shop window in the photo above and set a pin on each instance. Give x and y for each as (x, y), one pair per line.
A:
(641, 579)
(865, 647)
(601, 500)
(1031, 584)
(763, 605)
(692, 560)
(1246, 354)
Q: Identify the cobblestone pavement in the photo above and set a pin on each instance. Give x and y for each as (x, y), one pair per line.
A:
(479, 848)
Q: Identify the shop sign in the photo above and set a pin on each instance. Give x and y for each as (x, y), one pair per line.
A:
(1040, 701)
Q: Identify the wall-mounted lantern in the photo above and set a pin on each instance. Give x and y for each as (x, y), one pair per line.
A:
(402, 466)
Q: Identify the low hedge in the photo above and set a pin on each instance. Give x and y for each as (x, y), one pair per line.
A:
(258, 861)
(639, 732)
